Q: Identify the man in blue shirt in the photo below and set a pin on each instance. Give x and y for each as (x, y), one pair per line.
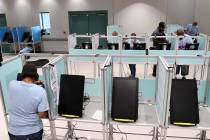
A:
(192, 29)
(27, 105)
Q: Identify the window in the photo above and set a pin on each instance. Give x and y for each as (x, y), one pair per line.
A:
(44, 18)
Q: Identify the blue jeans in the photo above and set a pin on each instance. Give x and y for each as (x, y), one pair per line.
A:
(34, 136)
(132, 69)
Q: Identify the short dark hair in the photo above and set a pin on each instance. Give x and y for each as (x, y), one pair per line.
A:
(162, 24)
(29, 70)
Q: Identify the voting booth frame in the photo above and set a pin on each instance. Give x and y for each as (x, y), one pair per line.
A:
(18, 36)
(153, 104)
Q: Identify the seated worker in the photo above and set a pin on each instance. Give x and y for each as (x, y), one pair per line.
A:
(27, 105)
(160, 31)
(182, 46)
(131, 41)
(192, 29)
(29, 47)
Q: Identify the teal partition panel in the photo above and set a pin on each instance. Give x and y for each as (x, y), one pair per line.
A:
(80, 52)
(161, 52)
(133, 52)
(8, 72)
(202, 43)
(147, 89)
(107, 52)
(201, 90)
(191, 52)
(93, 88)
(185, 61)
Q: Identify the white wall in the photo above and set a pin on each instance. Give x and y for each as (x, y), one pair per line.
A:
(59, 12)
(18, 12)
(139, 16)
(180, 11)
(202, 15)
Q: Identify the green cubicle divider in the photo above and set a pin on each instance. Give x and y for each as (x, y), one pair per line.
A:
(8, 72)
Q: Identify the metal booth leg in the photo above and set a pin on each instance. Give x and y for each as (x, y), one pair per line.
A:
(110, 132)
(53, 129)
(203, 135)
(69, 134)
(163, 134)
(155, 133)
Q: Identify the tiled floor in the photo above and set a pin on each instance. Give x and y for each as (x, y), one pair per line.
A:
(87, 69)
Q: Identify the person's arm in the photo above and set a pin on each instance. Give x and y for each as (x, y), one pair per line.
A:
(43, 106)
(42, 114)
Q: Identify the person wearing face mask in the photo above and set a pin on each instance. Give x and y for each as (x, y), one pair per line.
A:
(131, 41)
(183, 41)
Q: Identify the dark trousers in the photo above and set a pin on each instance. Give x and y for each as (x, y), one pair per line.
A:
(184, 69)
(132, 69)
(34, 136)
(154, 70)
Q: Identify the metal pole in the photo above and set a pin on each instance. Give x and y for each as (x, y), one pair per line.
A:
(110, 132)
(203, 135)
(53, 129)
(155, 133)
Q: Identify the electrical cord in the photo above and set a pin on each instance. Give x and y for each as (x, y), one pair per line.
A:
(74, 136)
(86, 101)
(126, 137)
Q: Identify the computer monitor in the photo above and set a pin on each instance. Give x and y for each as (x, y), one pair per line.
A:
(163, 46)
(192, 46)
(139, 46)
(113, 46)
(87, 45)
(126, 46)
